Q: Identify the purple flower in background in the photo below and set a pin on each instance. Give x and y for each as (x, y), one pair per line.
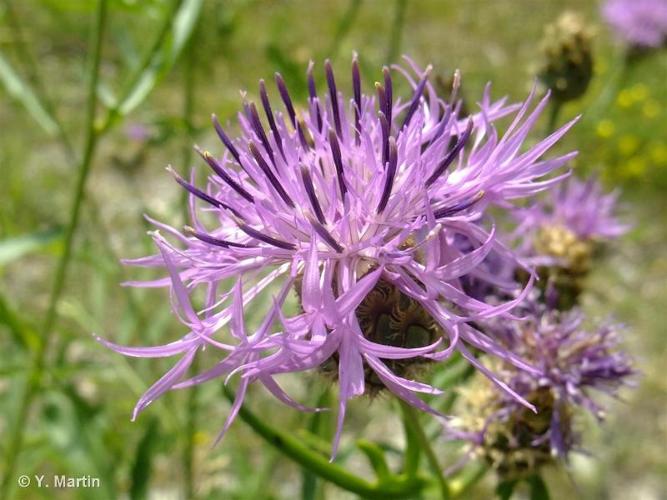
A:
(355, 205)
(573, 362)
(640, 23)
(564, 225)
(138, 132)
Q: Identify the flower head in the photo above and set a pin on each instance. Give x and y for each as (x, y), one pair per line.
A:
(567, 65)
(639, 23)
(566, 224)
(355, 205)
(574, 362)
(562, 232)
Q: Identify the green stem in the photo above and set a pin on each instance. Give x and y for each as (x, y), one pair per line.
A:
(34, 377)
(396, 31)
(412, 419)
(400, 487)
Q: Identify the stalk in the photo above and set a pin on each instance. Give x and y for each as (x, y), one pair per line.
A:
(411, 418)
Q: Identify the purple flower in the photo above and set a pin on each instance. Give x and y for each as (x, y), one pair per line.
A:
(355, 205)
(564, 226)
(573, 362)
(639, 23)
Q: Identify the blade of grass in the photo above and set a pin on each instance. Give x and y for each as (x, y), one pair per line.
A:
(21, 92)
(34, 377)
(31, 69)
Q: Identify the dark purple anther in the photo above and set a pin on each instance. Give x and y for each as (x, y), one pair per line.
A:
(326, 236)
(333, 94)
(212, 240)
(199, 193)
(459, 207)
(284, 94)
(356, 87)
(390, 175)
(310, 191)
(269, 174)
(388, 94)
(416, 97)
(226, 141)
(264, 96)
(305, 138)
(449, 158)
(253, 117)
(382, 98)
(312, 92)
(384, 124)
(217, 168)
(254, 233)
(338, 162)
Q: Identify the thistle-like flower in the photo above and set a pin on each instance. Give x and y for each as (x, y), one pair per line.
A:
(574, 363)
(562, 232)
(642, 24)
(355, 205)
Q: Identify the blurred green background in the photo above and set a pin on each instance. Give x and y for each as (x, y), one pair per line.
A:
(176, 63)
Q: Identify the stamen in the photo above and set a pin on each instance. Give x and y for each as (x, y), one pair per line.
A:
(266, 104)
(338, 162)
(333, 93)
(226, 141)
(310, 191)
(284, 94)
(305, 139)
(390, 174)
(269, 174)
(253, 116)
(199, 193)
(217, 168)
(212, 240)
(326, 236)
(453, 210)
(416, 97)
(254, 233)
(382, 98)
(384, 124)
(389, 94)
(449, 158)
(312, 91)
(356, 86)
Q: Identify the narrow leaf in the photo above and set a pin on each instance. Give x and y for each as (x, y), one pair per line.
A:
(15, 248)
(164, 55)
(21, 92)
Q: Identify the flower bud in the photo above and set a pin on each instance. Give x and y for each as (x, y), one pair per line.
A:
(567, 65)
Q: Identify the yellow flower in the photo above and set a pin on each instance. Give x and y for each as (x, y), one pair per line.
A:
(628, 144)
(605, 129)
(651, 108)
